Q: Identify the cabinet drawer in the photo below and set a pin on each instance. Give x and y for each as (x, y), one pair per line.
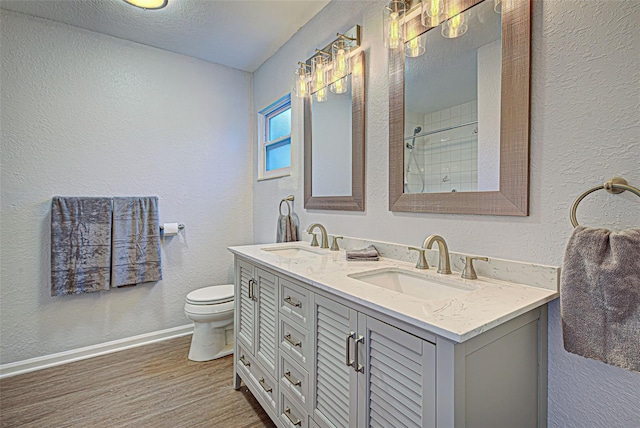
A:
(244, 360)
(294, 302)
(261, 384)
(295, 380)
(292, 415)
(266, 385)
(295, 342)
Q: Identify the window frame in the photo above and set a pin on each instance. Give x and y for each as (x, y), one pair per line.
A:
(264, 143)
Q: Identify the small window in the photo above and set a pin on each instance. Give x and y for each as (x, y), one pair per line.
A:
(275, 139)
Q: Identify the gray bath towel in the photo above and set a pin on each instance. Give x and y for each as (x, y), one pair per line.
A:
(287, 229)
(600, 296)
(80, 245)
(369, 254)
(136, 241)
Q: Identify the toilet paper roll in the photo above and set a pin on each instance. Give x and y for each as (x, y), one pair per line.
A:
(170, 229)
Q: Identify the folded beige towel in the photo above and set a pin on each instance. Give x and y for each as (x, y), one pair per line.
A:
(600, 296)
(368, 254)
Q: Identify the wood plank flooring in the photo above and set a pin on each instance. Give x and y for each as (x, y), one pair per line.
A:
(150, 386)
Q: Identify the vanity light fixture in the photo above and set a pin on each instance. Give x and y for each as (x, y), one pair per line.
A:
(148, 4)
(393, 20)
(455, 26)
(430, 12)
(340, 64)
(302, 81)
(319, 67)
(328, 69)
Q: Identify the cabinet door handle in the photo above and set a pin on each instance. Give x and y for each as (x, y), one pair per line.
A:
(288, 338)
(356, 365)
(287, 413)
(349, 362)
(244, 361)
(294, 382)
(250, 289)
(262, 383)
(293, 302)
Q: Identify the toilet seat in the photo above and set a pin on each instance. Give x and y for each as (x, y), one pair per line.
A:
(212, 295)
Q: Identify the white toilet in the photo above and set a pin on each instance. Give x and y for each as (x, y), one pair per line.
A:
(211, 310)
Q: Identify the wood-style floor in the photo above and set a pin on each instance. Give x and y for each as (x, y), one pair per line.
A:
(149, 386)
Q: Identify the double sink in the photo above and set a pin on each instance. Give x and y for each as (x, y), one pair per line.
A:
(404, 281)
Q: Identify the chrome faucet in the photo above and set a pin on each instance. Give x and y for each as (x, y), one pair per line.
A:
(314, 241)
(443, 252)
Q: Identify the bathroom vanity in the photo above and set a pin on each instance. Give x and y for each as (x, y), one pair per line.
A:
(322, 342)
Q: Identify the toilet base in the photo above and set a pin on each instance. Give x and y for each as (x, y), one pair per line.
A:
(209, 341)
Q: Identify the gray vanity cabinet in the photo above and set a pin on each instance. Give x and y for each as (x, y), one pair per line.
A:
(313, 359)
(256, 312)
(368, 373)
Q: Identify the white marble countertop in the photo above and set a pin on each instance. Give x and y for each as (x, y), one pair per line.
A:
(491, 302)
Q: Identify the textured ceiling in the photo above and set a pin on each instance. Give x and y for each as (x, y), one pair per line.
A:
(238, 34)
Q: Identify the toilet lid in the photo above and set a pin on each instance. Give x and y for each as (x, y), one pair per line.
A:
(211, 295)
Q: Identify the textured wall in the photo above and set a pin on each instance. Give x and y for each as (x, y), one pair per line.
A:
(585, 126)
(88, 114)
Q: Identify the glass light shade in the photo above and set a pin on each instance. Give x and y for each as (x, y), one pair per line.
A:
(340, 86)
(340, 59)
(430, 12)
(321, 95)
(416, 46)
(148, 4)
(302, 83)
(497, 6)
(393, 19)
(318, 73)
(455, 26)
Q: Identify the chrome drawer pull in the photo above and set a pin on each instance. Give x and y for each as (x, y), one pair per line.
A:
(244, 361)
(293, 302)
(288, 338)
(349, 362)
(261, 381)
(292, 381)
(287, 413)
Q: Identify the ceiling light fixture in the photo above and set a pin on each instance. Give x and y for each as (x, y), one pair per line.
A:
(148, 4)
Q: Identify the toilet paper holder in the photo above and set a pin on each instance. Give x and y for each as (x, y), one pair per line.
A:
(180, 226)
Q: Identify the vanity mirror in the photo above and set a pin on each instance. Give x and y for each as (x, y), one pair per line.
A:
(459, 114)
(334, 145)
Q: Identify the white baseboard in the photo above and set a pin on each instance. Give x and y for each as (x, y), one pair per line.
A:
(44, 362)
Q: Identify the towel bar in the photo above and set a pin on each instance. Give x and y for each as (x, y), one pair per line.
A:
(615, 185)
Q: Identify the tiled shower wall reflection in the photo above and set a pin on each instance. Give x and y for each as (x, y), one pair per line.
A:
(444, 161)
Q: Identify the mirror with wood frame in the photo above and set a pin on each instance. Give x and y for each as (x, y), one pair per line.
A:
(334, 147)
(482, 69)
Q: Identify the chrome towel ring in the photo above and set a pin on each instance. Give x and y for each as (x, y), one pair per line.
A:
(615, 185)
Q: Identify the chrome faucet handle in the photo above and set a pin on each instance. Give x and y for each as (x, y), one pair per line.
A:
(469, 272)
(334, 244)
(314, 241)
(422, 260)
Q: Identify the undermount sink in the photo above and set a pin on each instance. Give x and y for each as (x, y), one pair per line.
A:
(293, 251)
(414, 284)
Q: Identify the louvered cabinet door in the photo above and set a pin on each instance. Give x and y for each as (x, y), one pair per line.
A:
(266, 320)
(335, 384)
(245, 305)
(398, 386)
